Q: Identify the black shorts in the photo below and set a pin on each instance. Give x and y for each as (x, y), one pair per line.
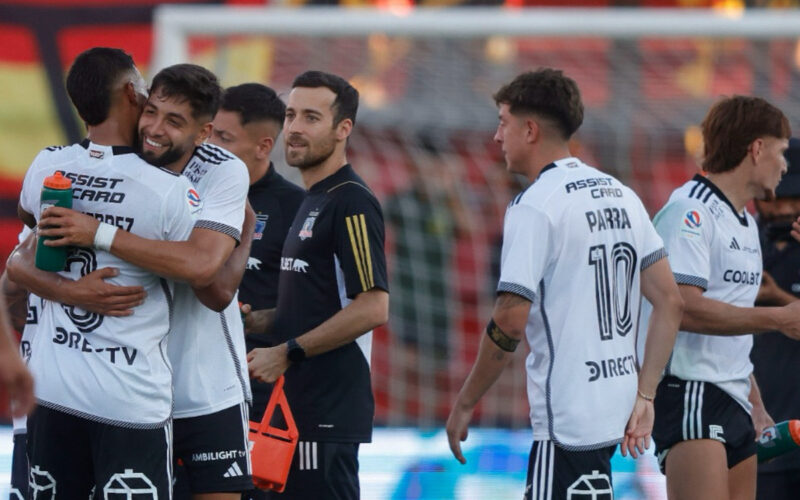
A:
(213, 451)
(19, 468)
(69, 455)
(558, 474)
(687, 410)
(321, 470)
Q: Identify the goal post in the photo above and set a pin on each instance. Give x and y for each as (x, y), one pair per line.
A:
(424, 138)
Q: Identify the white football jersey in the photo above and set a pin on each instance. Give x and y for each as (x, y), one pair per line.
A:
(110, 369)
(207, 348)
(713, 247)
(28, 332)
(574, 244)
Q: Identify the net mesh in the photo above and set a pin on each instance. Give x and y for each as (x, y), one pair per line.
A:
(423, 142)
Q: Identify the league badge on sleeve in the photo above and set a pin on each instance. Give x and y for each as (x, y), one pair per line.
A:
(193, 198)
(261, 223)
(690, 228)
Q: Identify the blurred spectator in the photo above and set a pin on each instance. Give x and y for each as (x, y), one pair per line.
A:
(426, 218)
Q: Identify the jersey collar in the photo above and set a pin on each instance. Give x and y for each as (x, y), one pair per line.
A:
(268, 178)
(344, 173)
(742, 218)
(115, 150)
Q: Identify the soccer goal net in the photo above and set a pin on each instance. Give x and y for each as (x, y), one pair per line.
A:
(424, 138)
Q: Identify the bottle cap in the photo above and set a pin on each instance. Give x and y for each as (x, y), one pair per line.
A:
(57, 181)
(794, 431)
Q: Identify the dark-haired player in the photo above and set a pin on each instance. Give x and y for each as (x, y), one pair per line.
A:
(332, 293)
(578, 253)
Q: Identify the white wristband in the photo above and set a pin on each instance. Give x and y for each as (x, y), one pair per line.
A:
(104, 236)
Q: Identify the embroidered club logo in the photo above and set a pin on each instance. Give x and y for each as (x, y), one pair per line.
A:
(261, 223)
(692, 219)
(308, 225)
(194, 197)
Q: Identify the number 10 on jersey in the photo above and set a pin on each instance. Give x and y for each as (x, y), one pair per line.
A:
(613, 289)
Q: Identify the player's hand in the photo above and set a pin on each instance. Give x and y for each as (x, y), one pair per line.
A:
(458, 428)
(639, 428)
(790, 320)
(267, 364)
(69, 227)
(94, 294)
(258, 321)
(16, 383)
(761, 419)
(796, 229)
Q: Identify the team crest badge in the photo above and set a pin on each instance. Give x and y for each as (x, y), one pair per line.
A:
(308, 225)
(261, 223)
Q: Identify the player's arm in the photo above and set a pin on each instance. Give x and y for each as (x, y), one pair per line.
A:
(770, 294)
(505, 331)
(259, 321)
(761, 419)
(91, 292)
(16, 298)
(195, 261)
(659, 288)
(367, 311)
(16, 383)
(221, 291)
(713, 317)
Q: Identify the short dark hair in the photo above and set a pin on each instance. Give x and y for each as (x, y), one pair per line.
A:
(548, 93)
(194, 83)
(732, 124)
(254, 103)
(91, 79)
(346, 103)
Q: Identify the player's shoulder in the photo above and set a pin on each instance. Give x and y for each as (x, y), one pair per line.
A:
(56, 153)
(214, 155)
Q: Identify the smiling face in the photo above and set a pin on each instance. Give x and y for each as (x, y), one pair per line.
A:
(168, 131)
(309, 135)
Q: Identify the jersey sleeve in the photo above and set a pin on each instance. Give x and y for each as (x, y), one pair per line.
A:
(526, 238)
(686, 229)
(359, 238)
(224, 200)
(652, 246)
(178, 212)
(29, 197)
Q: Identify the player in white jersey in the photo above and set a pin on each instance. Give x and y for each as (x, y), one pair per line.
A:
(104, 383)
(578, 253)
(206, 347)
(704, 433)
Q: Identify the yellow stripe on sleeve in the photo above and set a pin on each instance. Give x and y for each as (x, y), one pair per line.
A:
(352, 234)
(367, 253)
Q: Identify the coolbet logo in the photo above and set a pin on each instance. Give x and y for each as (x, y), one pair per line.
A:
(193, 197)
(296, 265)
(692, 219)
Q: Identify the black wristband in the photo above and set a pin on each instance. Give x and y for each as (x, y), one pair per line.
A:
(500, 338)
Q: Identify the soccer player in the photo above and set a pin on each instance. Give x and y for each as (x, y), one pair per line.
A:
(578, 253)
(104, 391)
(206, 348)
(332, 293)
(775, 357)
(248, 124)
(704, 432)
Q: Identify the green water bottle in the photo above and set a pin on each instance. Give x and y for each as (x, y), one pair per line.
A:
(56, 192)
(782, 438)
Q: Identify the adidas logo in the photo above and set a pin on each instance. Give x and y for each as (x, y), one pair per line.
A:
(735, 244)
(233, 471)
